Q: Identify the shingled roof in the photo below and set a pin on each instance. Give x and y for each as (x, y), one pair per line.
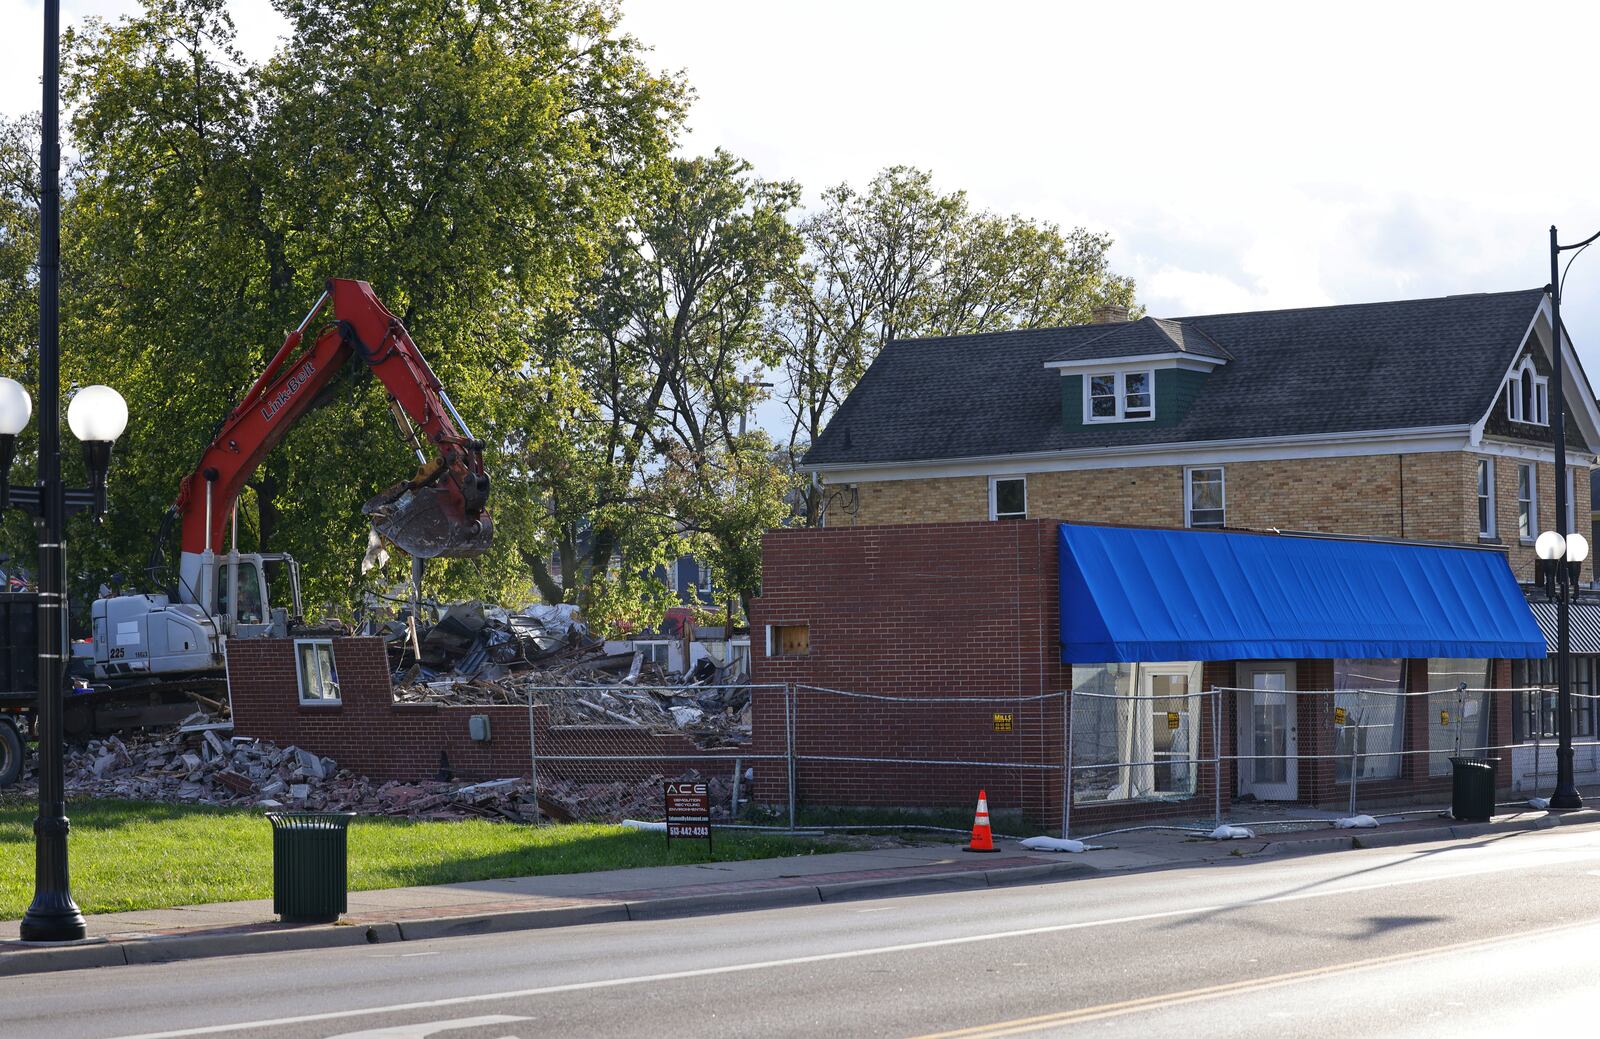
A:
(1373, 366)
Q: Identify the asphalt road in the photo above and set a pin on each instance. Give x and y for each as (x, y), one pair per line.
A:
(1426, 940)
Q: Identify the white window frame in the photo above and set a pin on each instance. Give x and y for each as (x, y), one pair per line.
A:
(1485, 492)
(994, 497)
(702, 574)
(1532, 502)
(648, 648)
(1572, 508)
(300, 675)
(1188, 493)
(1120, 395)
(1540, 398)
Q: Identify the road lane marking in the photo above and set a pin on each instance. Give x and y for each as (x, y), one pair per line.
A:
(1163, 1001)
(426, 1029)
(847, 954)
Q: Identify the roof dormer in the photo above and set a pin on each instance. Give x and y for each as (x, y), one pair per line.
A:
(1142, 371)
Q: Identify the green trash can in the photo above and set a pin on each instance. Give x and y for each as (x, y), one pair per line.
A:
(1472, 789)
(310, 865)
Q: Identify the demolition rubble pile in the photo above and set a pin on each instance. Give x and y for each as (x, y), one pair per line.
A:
(477, 656)
(206, 767)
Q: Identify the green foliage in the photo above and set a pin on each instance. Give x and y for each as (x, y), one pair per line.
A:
(470, 161)
(664, 342)
(726, 500)
(899, 260)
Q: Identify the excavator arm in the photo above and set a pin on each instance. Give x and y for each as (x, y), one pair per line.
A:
(439, 512)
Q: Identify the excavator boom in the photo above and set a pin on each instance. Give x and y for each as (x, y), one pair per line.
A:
(441, 511)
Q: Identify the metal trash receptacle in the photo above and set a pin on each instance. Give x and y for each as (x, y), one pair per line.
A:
(310, 865)
(1472, 789)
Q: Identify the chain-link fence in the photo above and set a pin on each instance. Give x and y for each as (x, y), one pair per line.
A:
(603, 754)
(1173, 755)
(1274, 755)
(867, 759)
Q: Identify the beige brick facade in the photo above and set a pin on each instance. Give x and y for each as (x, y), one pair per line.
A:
(1429, 496)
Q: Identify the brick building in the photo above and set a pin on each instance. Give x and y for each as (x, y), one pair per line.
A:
(1412, 421)
(1421, 419)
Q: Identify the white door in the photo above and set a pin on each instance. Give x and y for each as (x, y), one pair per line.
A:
(1267, 740)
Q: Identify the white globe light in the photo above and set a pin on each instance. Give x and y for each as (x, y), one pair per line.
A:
(1577, 548)
(97, 413)
(1550, 545)
(16, 407)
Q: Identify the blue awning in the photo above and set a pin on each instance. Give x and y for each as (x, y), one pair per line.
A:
(1141, 595)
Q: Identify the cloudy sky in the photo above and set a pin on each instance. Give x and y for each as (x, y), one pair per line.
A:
(1243, 155)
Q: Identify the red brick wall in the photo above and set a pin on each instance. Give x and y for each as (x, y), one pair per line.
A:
(933, 610)
(371, 734)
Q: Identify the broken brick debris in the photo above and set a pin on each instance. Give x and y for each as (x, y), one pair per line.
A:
(175, 766)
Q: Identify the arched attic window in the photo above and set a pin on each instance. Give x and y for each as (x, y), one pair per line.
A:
(1527, 395)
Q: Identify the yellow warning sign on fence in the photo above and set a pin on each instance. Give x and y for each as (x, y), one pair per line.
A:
(1339, 715)
(1002, 722)
(1172, 719)
(1444, 717)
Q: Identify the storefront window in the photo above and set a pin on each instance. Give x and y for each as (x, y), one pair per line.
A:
(1135, 731)
(1534, 713)
(1373, 734)
(1456, 720)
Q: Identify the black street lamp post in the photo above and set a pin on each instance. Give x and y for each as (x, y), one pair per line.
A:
(1566, 796)
(97, 416)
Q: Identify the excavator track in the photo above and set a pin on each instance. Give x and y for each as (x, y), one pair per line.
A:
(110, 706)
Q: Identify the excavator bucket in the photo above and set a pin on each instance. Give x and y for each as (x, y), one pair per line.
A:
(429, 522)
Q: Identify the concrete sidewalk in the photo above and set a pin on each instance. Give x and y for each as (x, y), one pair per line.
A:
(481, 907)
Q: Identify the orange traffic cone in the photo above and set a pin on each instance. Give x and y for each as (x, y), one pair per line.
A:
(982, 836)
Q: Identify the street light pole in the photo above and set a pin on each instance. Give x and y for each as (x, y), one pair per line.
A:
(1566, 796)
(53, 916)
(97, 416)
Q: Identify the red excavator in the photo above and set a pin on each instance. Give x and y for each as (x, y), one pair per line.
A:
(440, 511)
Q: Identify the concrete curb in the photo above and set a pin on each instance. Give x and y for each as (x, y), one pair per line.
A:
(170, 948)
(517, 920)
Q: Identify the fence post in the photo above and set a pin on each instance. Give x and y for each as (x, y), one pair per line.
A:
(1066, 766)
(738, 773)
(1216, 754)
(533, 758)
(1355, 757)
(790, 707)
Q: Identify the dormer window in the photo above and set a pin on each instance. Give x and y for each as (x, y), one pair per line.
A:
(1119, 396)
(1527, 395)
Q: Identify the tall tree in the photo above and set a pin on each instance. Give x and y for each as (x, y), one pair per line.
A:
(663, 346)
(901, 260)
(468, 159)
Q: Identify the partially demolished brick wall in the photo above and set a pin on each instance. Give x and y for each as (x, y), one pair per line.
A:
(931, 610)
(369, 733)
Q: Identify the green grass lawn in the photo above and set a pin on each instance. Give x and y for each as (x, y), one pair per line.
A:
(135, 855)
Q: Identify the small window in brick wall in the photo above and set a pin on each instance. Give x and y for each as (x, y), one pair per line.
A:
(1008, 497)
(319, 682)
(788, 640)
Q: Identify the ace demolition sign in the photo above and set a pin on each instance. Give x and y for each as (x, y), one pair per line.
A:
(688, 811)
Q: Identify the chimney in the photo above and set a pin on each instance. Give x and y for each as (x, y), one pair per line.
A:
(1110, 314)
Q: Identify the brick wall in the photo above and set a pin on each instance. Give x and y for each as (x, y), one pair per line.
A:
(935, 610)
(371, 734)
(1427, 496)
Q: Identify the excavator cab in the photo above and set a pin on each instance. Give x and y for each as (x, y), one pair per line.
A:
(243, 600)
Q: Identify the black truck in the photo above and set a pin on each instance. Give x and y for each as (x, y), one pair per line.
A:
(89, 707)
(19, 685)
